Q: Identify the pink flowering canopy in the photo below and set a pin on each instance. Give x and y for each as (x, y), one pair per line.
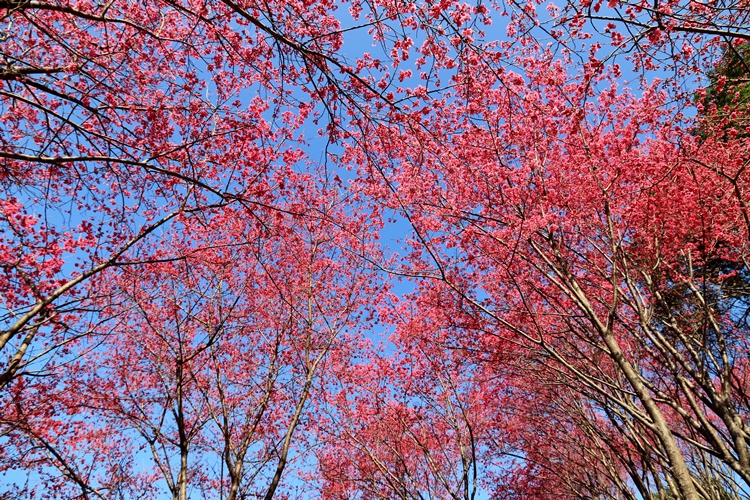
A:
(374, 250)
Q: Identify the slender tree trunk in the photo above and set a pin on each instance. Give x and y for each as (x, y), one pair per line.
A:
(679, 469)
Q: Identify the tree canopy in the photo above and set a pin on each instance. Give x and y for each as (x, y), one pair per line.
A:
(374, 249)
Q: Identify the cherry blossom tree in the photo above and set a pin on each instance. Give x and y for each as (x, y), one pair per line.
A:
(421, 423)
(130, 135)
(191, 197)
(206, 365)
(590, 226)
